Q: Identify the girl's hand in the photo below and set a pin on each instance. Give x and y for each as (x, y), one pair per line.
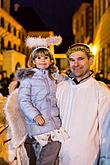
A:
(39, 120)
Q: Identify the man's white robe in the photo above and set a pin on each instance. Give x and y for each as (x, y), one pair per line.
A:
(83, 109)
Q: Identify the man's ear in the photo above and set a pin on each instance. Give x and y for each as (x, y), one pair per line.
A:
(91, 60)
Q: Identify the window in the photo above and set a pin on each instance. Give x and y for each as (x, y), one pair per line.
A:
(2, 22)
(108, 3)
(1, 3)
(99, 9)
(23, 50)
(9, 27)
(2, 43)
(14, 31)
(104, 5)
(9, 45)
(22, 37)
(19, 48)
(14, 46)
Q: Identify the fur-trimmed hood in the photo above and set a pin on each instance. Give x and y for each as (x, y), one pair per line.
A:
(28, 72)
(23, 73)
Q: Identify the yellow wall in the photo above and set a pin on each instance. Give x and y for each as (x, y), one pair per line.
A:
(11, 58)
(102, 39)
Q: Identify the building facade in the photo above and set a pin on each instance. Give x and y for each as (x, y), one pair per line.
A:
(12, 37)
(82, 22)
(91, 25)
(101, 37)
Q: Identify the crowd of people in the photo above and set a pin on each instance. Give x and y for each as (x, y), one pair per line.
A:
(66, 117)
(4, 82)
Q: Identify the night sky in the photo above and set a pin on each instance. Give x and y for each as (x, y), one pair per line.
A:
(56, 15)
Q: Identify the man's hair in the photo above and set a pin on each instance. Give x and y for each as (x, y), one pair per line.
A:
(80, 47)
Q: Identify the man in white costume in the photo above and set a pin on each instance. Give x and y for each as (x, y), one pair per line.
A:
(85, 112)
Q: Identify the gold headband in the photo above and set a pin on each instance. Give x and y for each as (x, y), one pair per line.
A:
(79, 47)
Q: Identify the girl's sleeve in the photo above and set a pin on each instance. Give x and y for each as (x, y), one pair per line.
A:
(24, 98)
(59, 77)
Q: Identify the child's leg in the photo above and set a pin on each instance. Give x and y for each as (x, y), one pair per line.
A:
(30, 150)
(49, 154)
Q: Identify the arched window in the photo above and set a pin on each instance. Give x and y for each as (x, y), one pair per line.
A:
(2, 22)
(14, 46)
(9, 27)
(14, 31)
(2, 43)
(9, 45)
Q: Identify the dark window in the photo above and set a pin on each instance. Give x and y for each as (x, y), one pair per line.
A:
(23, 50)
(108, 3)
(19, 48)
(9, 45)
(1, 3)
(23, 37)
(99, 9)
(14, 46)
(2, 43)
(14, 31)
(9, 27)
(2, 22)
(104, 5)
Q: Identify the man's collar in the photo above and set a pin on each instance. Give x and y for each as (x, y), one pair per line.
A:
(72, 77)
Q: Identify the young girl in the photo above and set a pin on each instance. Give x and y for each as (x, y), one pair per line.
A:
(38, 103)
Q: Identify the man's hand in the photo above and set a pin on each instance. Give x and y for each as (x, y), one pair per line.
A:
(39, 120)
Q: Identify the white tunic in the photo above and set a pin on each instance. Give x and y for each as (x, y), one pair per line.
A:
(83, 108)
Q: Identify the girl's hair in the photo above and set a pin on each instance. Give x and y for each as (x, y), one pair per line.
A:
(43, 51)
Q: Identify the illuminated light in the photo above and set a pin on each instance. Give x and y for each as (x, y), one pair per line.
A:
(94, 50)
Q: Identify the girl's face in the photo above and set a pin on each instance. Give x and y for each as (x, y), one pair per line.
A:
(42, 61)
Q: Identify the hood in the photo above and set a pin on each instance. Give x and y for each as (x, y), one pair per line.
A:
(23, 73)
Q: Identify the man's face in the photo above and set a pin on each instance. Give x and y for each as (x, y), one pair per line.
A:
(80, 64)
